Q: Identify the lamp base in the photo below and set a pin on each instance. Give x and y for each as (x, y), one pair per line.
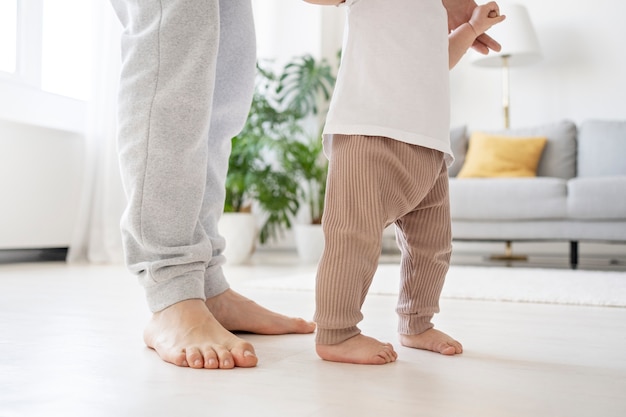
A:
(508, 254)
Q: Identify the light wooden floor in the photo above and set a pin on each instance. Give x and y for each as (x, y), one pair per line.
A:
(70, 345)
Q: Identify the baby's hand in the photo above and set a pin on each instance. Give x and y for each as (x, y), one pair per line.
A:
(485, 16)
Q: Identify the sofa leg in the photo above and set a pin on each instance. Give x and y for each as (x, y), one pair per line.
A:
(573, 254)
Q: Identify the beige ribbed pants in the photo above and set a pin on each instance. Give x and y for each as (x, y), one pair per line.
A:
(373, 182)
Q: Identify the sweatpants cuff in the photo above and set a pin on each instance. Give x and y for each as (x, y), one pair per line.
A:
(175, 290)
(413, 324)
(215, 283)
(334, 336)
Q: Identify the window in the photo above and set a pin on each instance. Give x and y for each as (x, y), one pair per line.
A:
(66, 48)
(8, 36)
(45, 61)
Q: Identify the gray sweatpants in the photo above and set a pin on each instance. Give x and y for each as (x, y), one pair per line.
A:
(186, 87)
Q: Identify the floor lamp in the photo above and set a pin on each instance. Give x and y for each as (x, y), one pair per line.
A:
(519, 47)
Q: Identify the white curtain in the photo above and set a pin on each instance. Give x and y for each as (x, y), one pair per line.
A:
(97, 234)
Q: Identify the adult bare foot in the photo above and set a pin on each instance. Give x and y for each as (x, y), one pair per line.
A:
(238, 313)
(434, 340)
(187, 334)
(358, 349)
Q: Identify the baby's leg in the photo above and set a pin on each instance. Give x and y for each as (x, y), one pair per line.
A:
(424, 236)
(359, 349)
(354, 220)
(433, 340)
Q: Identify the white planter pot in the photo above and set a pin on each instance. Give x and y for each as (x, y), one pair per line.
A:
(309, 242)
(240, 232)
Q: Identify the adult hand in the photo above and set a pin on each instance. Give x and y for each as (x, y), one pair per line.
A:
(459, 12)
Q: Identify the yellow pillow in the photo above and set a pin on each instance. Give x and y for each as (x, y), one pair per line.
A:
(502, 156)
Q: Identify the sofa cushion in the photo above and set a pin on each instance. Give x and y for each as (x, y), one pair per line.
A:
(559, 156)
(602, 148)
(597, 198)
(458, 143)
(492, 156)
(508, 198)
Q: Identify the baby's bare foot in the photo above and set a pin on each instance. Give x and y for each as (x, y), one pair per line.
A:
(187, 334)
(358, 349)
(434, 340)
(238, 313)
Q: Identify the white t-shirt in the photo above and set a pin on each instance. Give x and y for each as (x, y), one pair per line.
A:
(393, 79)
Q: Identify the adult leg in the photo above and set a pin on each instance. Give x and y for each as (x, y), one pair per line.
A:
(425, 239)
(169, 57)
(166, 91)
(231, 103)
(234, 86)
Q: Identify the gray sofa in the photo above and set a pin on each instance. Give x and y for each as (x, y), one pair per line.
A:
(579, 193)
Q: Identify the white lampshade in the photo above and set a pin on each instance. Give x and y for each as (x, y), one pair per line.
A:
(517, 37)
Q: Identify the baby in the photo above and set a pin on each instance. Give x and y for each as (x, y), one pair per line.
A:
(387, 139)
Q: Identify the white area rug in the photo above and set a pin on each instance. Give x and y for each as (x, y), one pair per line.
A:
(558, 286)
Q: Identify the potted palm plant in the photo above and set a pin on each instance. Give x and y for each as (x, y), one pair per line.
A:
(306, 87)
(253, 179)
(306, 160)
(271, 164)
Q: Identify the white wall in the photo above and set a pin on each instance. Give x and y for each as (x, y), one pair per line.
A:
(582, 74)
(286, 28)
(292, 28)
